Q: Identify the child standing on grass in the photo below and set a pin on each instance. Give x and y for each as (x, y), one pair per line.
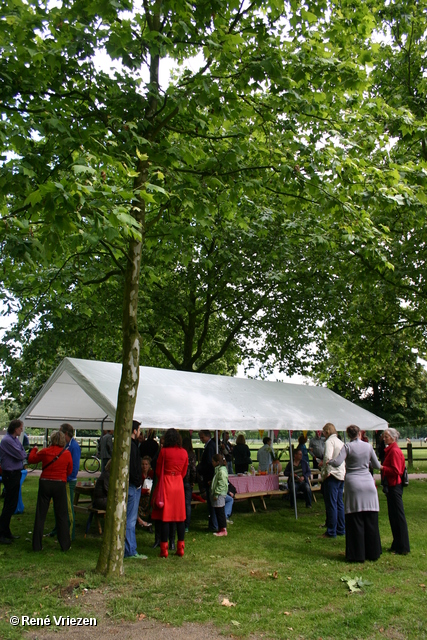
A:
(219, 489)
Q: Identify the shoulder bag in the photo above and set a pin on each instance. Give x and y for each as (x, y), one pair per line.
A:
(405, 478)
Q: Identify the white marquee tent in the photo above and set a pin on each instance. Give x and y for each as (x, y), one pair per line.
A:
(84, 393)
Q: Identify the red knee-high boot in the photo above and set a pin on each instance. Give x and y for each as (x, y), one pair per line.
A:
(180, 548)
(164, 550)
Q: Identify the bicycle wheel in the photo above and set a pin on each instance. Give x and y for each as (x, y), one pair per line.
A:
(92, 464)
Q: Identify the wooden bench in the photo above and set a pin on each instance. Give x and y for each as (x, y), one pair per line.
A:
(250, 496)
(316, 487)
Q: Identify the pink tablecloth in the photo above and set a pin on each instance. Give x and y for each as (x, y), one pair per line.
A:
(249, 484)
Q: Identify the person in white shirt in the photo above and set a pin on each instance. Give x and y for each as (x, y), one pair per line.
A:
(333, 484)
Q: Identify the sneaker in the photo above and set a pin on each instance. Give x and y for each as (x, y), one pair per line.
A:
(139, 556)
(187, 530)
(223, 532)
(229, 521)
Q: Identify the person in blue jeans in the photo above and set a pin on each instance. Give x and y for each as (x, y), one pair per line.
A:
(333, 484)
(134, 494)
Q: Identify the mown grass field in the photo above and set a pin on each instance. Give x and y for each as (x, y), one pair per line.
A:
(284, 580)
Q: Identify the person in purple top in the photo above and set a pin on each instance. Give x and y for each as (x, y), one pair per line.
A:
(12, 456)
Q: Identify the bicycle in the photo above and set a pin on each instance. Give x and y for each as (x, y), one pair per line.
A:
(92, 464)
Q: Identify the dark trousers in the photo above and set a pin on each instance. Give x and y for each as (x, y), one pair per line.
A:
(188, 492)
(212, 523)
(57, 491)
(167, 526)
(220, 516)
(301, 488)
(362, 536)
(12, 482)
(396, 516)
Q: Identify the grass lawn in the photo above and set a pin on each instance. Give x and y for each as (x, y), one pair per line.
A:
(284, 580)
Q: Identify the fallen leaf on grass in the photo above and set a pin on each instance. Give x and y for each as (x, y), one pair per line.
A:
(236, 624)
(290, 628)
(286, 613)
(422, 585)
(141, 616)
(289, 578)
(355, 584)
(226, 603)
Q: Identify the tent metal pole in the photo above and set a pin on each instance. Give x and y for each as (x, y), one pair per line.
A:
(216, 440)
(291, 458)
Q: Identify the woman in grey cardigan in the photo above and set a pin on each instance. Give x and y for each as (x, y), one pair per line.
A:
(360, 499)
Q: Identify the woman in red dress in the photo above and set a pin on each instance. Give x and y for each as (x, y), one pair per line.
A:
(171, 468)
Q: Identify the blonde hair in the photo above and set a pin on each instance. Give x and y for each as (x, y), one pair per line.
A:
(329, 429)
(58, 439)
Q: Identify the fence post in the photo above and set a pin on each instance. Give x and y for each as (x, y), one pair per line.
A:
(410, 458)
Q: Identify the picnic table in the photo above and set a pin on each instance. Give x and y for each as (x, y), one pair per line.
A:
(250, 487)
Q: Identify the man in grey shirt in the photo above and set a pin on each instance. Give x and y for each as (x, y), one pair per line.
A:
(265, 455)
(106, 448)
(316, 447)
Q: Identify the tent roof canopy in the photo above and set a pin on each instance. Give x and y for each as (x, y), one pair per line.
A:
(84, 393)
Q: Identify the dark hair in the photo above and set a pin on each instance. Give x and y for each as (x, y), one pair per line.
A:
(135, 425)
(218, 457)
(205, 432)
(67, 429)
(353, 431)
(187, 444)
(240, 439)
(151, 434)
(172, 438)
(302, 439)
(14, 425)
(266, 440)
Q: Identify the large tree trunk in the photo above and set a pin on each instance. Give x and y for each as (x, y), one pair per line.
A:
(110, 561)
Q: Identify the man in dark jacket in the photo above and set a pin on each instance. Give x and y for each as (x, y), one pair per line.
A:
(134, 494)
(301, 477)
(205, 473)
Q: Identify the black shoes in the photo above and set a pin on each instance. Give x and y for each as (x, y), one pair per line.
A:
(4, 540)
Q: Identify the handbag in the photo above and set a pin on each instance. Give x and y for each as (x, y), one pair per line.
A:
(159, 498)
(148, 483)
(405, 478)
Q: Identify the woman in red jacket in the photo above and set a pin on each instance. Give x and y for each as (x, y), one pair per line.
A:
(392, 469)
(57, 464)
(171, 468)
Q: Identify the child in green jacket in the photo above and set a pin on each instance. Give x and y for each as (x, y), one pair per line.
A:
(219, 489)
